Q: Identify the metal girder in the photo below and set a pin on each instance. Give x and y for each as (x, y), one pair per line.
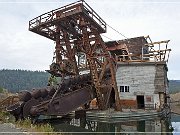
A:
(10, 100)
(72, 11)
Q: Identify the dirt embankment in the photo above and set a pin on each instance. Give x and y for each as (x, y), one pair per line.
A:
(175, 106)
(175, 97)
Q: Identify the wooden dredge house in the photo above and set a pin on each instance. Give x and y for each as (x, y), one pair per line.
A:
(141, 72)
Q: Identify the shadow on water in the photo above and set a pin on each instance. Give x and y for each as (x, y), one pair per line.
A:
(113, 126)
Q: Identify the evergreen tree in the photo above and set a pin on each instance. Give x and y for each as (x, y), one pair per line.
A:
(16, 80)
(1, 89)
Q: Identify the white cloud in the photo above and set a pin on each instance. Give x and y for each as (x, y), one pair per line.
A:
(176, 126)
(23, 49)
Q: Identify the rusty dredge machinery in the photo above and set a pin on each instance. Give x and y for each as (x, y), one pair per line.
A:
(75, 29)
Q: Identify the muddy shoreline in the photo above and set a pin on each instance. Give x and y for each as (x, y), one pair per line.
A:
(175, 106)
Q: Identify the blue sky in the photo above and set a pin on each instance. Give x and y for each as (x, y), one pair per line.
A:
(22, 49)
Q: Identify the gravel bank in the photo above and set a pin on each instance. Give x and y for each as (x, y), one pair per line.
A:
(10, 129)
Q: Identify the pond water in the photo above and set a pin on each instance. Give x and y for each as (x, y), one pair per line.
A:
(175, 121)
(169, 125)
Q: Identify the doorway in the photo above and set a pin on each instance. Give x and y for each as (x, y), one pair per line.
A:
(112, 99)
(140, 102)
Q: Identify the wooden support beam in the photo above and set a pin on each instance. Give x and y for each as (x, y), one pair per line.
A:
(160, 50)
(157, 43)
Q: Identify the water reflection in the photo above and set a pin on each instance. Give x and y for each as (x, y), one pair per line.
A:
(82, 125)
(175, 121)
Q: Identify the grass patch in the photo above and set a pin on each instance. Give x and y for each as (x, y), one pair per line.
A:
(26, 124)
(178, 105)
(6, 117)
(44, 128)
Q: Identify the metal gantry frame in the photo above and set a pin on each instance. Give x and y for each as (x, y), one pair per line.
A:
(76, 29)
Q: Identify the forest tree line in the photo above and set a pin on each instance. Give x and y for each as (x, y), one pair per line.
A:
(174, 86)
(16, 80)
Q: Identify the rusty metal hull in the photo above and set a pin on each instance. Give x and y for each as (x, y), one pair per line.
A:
(64, 104)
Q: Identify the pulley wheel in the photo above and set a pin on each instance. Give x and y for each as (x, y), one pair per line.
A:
(27, 107)
(24, 95)
(36, 93)
(44, 93)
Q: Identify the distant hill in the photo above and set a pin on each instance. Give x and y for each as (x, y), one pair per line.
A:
(15, 80)
(174, 86)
